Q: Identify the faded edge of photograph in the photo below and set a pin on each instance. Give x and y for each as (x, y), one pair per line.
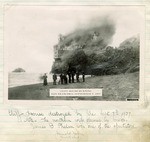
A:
(93, 55)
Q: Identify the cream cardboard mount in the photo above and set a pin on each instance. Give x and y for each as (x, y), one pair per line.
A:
(85, 46)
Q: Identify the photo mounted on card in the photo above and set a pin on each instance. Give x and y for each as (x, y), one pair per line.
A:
(82, 53)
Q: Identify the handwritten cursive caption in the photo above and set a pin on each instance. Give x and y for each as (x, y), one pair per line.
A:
(87, 119)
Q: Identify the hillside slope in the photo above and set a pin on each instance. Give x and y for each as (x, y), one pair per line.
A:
(131, 42)
(115, 88)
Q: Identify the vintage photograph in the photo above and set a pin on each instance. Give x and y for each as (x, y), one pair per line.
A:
(73, 47)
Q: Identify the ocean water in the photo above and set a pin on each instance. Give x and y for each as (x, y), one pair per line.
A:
(19, 79)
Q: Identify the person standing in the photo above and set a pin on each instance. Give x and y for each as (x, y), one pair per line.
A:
(83, 76)
(77, 76)
(45, 79)
(61, 79)
(65, 79)
(54, 79)
(69, 76)
(72, 76)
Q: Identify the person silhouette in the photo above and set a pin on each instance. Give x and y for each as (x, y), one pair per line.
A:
(72, 76)
(54, 79)
(69, 76)
(77, 76)
(61, 79)
(83, 76)
(45, 80)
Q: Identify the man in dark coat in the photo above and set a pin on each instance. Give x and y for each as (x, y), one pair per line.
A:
(54, 79)
(45, 79)
(65, 79)
(77, 76)
(69, 76)
(61, 79)
(83, 76)
(72, 76)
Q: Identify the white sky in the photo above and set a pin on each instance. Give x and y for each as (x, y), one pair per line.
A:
(31, 31)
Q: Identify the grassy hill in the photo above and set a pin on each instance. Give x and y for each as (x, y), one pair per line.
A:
(115, 88)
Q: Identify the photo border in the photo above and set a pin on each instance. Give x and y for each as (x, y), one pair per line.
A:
(121, 104)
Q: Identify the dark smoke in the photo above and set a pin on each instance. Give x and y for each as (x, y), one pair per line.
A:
(105, 27)
(82, 36)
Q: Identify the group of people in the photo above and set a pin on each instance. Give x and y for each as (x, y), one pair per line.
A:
(68, 78)
(65, 78)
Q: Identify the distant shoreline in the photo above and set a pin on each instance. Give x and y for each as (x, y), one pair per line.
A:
(21, 79)
(24, 85)
(24, 78)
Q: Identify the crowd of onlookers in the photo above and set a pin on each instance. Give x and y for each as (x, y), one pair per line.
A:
(65, 78)
(69, 77)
